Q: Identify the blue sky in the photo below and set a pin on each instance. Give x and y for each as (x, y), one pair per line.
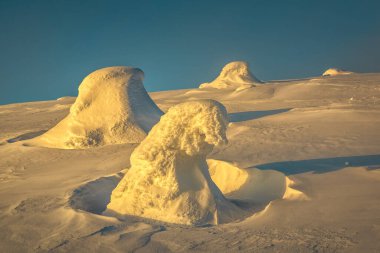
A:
(48, 47)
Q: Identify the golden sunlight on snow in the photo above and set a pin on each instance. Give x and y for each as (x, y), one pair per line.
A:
(239, 165)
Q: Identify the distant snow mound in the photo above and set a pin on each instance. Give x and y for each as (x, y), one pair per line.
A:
(235, 75)
(169, 178)
(336, 72)
(112, 107)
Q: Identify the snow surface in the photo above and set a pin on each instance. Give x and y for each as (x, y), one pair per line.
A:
(234, 75)
(323, 134)
(336, 72)
(252, 185)
(112, 107)
(169, 178)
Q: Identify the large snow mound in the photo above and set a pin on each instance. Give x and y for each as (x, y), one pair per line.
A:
(112, 107)
(234, 75)
(251, 189)
(336, 72)
(169, 178)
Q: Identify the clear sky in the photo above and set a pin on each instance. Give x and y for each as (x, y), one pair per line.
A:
(48, 47)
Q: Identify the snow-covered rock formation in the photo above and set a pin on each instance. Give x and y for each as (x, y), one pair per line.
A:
(112, 107)
(336, 72)
(235, 75)
(169, 178)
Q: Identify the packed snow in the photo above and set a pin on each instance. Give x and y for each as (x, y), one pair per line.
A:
(336, 72)
(252, 185)
(302, 161)
(251, 189)
(235, 75)
(169, 178)
(112, 107)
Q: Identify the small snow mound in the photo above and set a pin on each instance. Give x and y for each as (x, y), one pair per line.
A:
(336, 72)
(169, 178)
(252, 185)
(64, 98)
(235, 75)
(112, 107)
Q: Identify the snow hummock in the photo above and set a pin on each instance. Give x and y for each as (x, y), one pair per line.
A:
(252, 185)
(251, 189)
(336, 72)
(169, 178)
(112, 107)
(234, 75)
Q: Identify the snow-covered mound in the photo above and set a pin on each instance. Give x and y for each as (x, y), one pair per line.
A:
(169, 178)
(336, 72)
(252, 189)
(252, 185)
(112, 107)
(235, 75)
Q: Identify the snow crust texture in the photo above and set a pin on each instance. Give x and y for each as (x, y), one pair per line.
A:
(234, 75)
(336, 72)
(112, 107)
(169, 178)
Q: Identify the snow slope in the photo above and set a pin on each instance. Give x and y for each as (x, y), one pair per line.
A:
(235, 75)
(169, 178)
(112, 107)
(321, 133)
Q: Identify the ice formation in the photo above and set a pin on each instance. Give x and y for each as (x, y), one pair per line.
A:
(235, 75)
(112, 107)
(336, 72)
(169, 178)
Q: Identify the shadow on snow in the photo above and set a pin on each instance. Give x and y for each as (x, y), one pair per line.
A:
(322, 165)
(250, 115)
(26, 136)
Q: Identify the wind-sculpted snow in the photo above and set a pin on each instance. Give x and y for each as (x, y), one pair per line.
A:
(112, 107)
(336, 72)
(327, 144)
(169, 178)
(252, 185)
(235, 75)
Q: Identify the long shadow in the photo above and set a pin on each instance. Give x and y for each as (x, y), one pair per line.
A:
(26, 136)
(322, 165)
(249, 115)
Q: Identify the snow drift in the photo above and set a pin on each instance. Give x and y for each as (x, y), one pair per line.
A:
(235, 75)
(251, 189)
(169, 178)
(112, 107)
(252, 185)
(336, 72)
